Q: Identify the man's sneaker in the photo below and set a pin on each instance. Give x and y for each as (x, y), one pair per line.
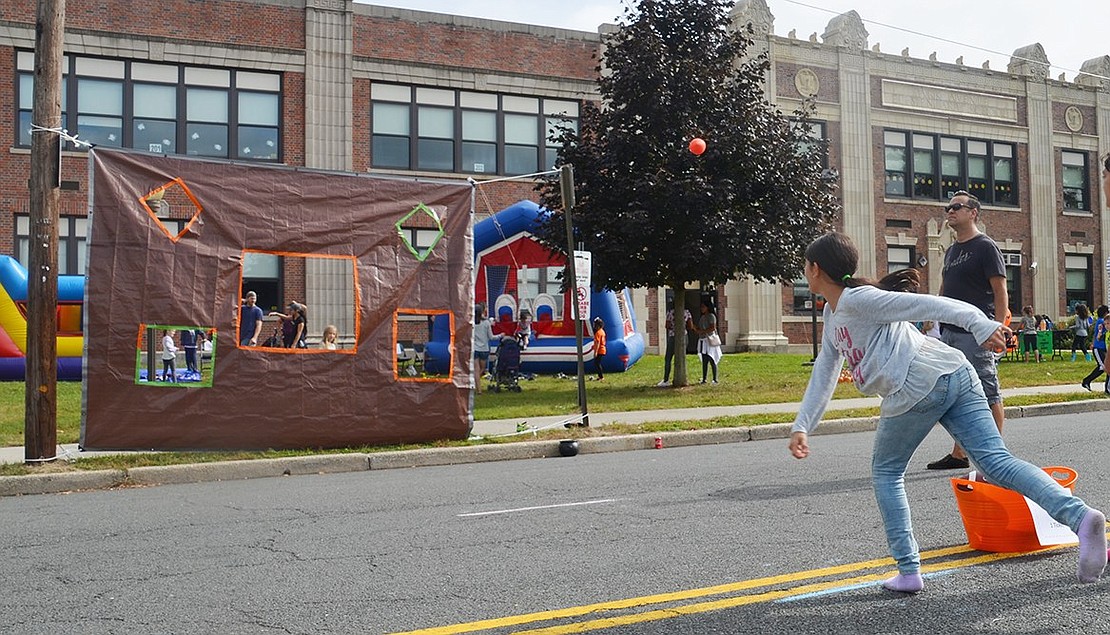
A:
(949, 462)
(663, 384)
(1085, 384)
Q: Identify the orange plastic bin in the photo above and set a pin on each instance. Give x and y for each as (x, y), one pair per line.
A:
(997, 519)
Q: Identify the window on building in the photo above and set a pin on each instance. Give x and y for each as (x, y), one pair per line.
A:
(262, 273)
(1013, 290)
(100, 101)
(1077, 281)
(479, 142)
(802, 296)
(935, 167)
(1003, 173)
(815, 139)
(435, 129)
(422, 238)
(206, 112)
(475, 133)
(897, 165)
(155, 120)
(25, 86)
(71, 243)
(978, 176)
(898, 258)
(1076, 181)
(951, 167)
(165, 108)
(392, 126)
(559, 115)
(522, 134)
(924, 166)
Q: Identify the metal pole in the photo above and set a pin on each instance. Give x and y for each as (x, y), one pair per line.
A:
(40, 423)
(566, 185)
(813, 312)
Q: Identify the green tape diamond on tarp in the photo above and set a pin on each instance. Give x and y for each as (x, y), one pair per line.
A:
(421, 254)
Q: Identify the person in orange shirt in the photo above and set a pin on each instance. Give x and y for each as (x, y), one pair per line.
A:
(599, 346)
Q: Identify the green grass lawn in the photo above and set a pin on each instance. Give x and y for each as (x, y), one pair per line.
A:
(746, 378)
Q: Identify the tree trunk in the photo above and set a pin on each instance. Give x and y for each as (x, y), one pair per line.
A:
(678, 305)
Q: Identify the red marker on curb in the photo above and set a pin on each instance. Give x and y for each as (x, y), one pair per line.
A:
(658, 443)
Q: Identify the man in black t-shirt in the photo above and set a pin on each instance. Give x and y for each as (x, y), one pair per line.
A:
(973, 272)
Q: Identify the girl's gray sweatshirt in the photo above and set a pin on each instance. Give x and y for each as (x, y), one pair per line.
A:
(872, 329)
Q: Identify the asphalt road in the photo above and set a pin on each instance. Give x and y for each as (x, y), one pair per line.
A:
(735, 538)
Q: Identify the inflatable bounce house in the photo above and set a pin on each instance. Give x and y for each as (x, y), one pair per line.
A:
(517, 277)
(13, 322)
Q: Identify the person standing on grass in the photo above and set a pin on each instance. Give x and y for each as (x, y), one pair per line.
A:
(1029, 334)
(922, 381)
(169, 358)
(973, 272)
(709, 341)
(250, 320)
(483, 334)
(1080, 326)
(1098, 347)
(600, 345)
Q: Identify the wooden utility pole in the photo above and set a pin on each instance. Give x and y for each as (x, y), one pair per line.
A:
(566, 184)
(40, 428)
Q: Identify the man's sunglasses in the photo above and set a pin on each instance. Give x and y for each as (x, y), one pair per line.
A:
(955, 207)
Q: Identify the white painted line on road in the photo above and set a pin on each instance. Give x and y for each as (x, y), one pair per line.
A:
(529, 509)
(850, 587)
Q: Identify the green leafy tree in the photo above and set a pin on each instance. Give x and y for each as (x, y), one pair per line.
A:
(655, 214)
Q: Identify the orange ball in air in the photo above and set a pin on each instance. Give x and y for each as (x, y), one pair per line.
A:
(697, 146)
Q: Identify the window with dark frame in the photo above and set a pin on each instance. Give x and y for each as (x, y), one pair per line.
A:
(1077, 281)
(166, 108)
(897, 165)
(816, 133)
(444, 130)
(898, 258)
(71, 243)
(928, 166)
(802, 296)
(1076, 180)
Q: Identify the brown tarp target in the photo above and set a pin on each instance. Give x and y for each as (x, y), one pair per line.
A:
(139, 273)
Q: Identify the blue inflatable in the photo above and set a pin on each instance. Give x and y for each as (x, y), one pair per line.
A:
(516, 279)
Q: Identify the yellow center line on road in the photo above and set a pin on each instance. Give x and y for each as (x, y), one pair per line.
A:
(614, 605)
(727, 603)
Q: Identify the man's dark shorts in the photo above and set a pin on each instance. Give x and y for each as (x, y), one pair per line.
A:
(984, 361)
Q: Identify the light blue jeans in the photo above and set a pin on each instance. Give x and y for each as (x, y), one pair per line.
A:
(957, 402)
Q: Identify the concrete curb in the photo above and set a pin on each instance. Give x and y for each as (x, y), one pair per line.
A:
(60, 482)
(240, 470)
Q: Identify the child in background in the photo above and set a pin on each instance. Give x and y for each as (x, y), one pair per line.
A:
(331, 335)
(922, 381)
(524, 328)
(169, 358)
(599, 346)
(1081, 325)
(1098, 347)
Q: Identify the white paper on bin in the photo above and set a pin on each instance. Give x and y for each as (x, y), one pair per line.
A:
(1049, 531)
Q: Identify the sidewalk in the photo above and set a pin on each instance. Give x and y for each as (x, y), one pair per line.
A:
(498, 427)
(331, 463)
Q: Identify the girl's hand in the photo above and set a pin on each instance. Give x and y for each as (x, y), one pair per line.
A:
(997, 340)
(799, 445)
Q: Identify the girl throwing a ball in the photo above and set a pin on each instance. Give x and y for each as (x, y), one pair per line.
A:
(922, 381)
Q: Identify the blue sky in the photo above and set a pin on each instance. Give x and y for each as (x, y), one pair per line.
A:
(1071, 31)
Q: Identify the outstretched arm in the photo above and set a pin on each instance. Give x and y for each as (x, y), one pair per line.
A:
(799, 445)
